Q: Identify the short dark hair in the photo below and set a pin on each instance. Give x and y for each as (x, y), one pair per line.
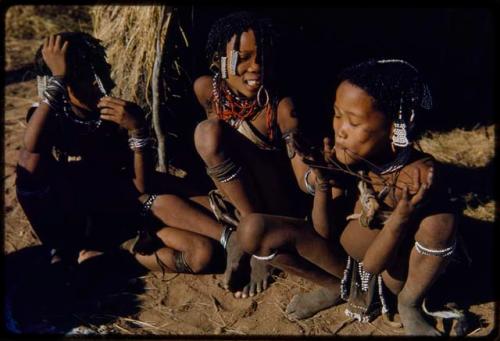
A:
(391, 83)
(236, 23)
(85, 56)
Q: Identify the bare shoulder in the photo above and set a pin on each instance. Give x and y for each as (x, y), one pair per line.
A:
(203, 90)
(287, 116)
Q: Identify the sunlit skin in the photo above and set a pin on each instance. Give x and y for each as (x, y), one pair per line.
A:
(247, 80)
(362, 134)
(359, 127)
(265, 184)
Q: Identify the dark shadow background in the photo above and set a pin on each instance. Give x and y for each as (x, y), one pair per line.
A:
(454, 49)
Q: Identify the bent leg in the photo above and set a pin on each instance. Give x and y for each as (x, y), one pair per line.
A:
(196, 250)
(423, 270)
(217, 145)
(299, 250)
(186, 215)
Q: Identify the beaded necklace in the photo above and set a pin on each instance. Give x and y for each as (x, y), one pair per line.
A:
(234, 109)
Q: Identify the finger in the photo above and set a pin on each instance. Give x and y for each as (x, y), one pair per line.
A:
(113, 100)
(430, 177)
(65, 47)
(51, 42)
(111, 118)
(327, 144)
(57, 43)
(106, 104)
(404, 193)
(420, 194)
(416, 180)
(45, 43)
(108, 111)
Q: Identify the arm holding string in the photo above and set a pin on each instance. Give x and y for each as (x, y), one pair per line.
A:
(385, 246)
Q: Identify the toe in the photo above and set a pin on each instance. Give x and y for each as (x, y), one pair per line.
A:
(253, 289)
(259, 287)
(245, 291)
(238, 294)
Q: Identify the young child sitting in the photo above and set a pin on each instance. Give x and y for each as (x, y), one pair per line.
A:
(243, 140)
(87, 162)
(397, 225)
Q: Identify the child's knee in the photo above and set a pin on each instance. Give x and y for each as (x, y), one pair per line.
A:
(199, 255)
(251, 231)
(207, 137)
(438, 235)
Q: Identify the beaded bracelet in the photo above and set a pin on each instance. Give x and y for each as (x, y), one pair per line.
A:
(139, 143)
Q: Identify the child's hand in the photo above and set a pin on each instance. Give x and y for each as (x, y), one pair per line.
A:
(407, 205)
(328, 149)
(126, 114)
(54, 55)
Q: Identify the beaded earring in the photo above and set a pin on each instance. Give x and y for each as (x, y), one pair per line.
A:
(399, 135)
(223, 67)
(234, 62)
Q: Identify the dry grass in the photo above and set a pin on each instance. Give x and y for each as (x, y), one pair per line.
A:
(26, 26)
(467, 148)
(470, 149)
(131, 47)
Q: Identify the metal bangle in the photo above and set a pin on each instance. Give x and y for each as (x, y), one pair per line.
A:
(310, 188)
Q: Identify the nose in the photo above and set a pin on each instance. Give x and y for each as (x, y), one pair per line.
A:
(341, 131)
(255, 65)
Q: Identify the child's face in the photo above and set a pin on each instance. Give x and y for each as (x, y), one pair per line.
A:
(86, 91)
(361, 131)
(247, 80)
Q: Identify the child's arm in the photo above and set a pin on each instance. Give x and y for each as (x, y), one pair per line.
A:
(289, 124)
(385, 245)
(37, 136)
(203, 90)
(327, 197)
(130, 116)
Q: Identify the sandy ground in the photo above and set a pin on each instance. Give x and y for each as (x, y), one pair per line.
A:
(146, 303)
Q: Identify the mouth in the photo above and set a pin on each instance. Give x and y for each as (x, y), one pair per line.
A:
(252, 84)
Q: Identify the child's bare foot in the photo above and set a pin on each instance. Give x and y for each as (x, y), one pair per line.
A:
(236, 258)
(414, 323)
(87, 254)
(259, 279)
(306, 305)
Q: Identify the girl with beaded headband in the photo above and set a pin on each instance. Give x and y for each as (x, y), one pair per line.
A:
(402, 231)
(248, 128)
(87, 164)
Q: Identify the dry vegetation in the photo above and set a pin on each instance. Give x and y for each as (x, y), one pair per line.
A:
(26, 26)
(179, 304)
(131, 48)
(460, 147)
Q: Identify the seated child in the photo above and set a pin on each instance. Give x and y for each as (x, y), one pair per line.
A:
(397, 225)
(242, 141)
(87, 162)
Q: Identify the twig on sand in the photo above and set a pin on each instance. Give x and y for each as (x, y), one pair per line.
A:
(342, 325)
(117, 326)
(140, 323)
(378, 328)
(217, 308)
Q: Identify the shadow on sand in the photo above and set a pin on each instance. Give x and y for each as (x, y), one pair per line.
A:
(54, 299)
